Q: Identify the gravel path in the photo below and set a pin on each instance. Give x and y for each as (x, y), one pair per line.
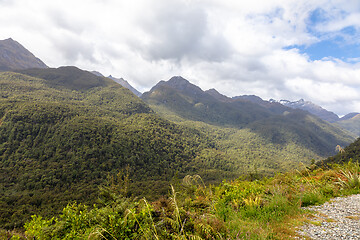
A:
(336, 219)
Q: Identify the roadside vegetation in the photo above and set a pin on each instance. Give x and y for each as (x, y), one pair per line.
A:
(252, 208)
(59, 142)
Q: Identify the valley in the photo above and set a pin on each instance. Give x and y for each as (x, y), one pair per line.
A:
(70, 139)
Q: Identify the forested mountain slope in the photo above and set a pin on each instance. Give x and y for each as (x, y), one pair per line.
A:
(351, 124)
(63, 131)
(349, 153)
(189, 101)
(276, 125)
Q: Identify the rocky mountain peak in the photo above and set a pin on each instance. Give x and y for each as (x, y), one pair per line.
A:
(181, 84)
(311, 108)
(14, 56)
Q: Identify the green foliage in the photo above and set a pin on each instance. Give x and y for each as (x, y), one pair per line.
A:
(267, 143)
(350, 152)
(38, 227)
(311, 198)
(350, 178)
(138, 221)
(13, 235)
(58, 144)
(198, 211)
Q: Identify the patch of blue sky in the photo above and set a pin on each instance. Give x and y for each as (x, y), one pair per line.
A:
(330, 49)
(343, 44)
(320, 17)
(317, 16)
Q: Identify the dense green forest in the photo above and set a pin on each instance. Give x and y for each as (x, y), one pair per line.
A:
(64, 132)
(60, 142)
(245, 208)
(351, 152)
(270, 208)
(181, 101)
(265, 136)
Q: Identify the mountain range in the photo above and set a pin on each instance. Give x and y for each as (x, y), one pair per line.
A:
(126, 84)
(311, 108)
(350, 122)
(179, 100)
(65, 131)
(13, 56)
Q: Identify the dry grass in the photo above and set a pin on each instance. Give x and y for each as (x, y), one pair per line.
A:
(353, 217)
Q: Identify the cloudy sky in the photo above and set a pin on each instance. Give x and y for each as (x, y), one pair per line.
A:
(281, 49)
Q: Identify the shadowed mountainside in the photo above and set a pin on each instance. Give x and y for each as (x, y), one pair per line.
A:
(178, 99)
(14, 56)
(351, 122)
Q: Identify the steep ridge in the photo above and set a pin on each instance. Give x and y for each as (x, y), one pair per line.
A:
(121, 81)
(214, 93)
(273, 106)
(126, 84)
(14, 56)
(190, 102)
(349, 116)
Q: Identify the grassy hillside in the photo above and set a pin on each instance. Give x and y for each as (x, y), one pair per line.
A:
(59, 142)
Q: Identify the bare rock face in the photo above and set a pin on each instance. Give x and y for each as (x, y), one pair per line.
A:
(13, 56)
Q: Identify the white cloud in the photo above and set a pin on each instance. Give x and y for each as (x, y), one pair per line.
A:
(238, 47)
